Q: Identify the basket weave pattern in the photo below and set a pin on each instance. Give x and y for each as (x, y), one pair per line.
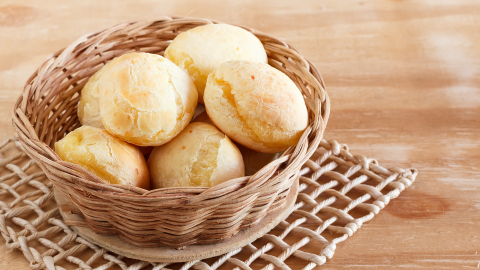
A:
(47, 111)
(335, 186)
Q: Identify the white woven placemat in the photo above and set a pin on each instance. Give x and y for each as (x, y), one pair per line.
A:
(338, 193)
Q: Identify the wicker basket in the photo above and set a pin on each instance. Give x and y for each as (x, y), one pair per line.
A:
(177, 217)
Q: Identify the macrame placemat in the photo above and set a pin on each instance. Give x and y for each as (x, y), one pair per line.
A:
(338, 192)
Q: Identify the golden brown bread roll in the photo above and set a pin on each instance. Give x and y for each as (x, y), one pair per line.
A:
(145, 99)
(111, 159)
(256, 105)
(202, 49)
(253, 160)
(200, 156)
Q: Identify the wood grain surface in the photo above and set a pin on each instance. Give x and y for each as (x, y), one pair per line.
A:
(404, 82)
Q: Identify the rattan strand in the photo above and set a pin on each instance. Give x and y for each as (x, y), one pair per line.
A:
(30, 220)
(47, 111)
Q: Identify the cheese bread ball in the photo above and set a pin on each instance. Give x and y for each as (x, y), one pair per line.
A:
(88, 107)
(256, 105)
(200, 156)
(202, 49)
(145, 99)
(111, 159)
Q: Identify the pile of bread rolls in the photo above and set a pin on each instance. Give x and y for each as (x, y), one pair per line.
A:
(140, 103)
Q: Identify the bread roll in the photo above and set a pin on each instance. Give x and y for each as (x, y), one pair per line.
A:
(256, 105)
(145, 99)
(88, 107)
(253, 160)
(202, 49)
(200, 156)
(111, 159)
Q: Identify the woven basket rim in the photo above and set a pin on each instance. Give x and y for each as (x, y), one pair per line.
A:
(28, 136)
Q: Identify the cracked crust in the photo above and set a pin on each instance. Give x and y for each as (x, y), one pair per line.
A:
(256, 105)
(199, 51)
(146, 100)
(111, 159)
(253, 160)
(200, 156)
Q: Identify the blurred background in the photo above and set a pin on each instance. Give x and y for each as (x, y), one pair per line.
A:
(404, 82)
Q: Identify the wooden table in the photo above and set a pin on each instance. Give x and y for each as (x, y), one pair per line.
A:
(404, 83)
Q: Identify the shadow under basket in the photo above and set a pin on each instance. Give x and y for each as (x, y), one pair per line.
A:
(176, 217)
